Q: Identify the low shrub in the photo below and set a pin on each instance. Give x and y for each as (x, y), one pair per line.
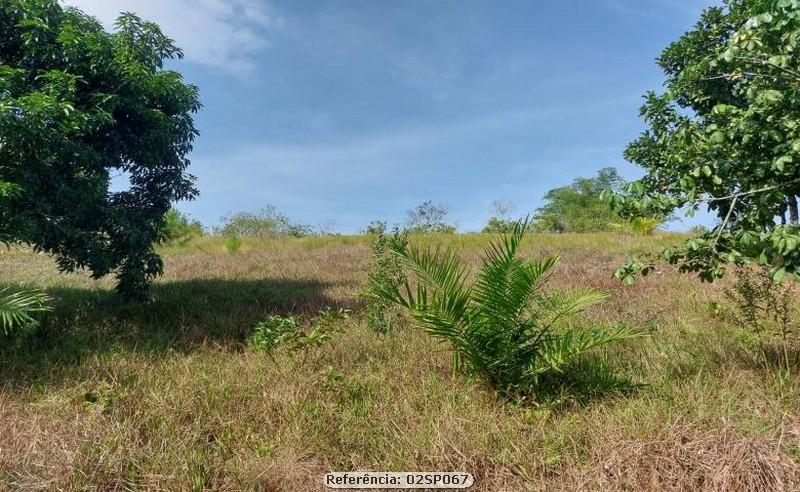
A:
(290, 334)
(764, 309)
(232, 244)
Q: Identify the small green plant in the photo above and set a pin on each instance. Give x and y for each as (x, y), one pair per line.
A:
(232, 244)
(386, 273)
(17, 309)
(764, 308)
(290, 334)
(504, 328)
(273, 332)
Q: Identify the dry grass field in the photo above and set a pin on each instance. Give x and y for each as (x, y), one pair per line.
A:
(167, 395)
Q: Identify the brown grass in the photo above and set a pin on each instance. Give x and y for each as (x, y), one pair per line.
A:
(687, 459)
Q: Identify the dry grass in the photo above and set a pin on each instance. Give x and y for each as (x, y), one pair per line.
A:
(686, 459)
(167, 397)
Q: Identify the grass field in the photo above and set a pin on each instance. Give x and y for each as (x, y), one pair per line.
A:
(167, 396)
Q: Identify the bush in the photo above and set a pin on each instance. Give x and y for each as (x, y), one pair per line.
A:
(504, 328)
(289, 333)
(764, 308)
(17, 309)
(640, 226)
(263, 223)
(232, 244)
(179, 228)
(497, 225)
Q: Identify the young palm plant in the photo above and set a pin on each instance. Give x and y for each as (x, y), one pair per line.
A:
(17, 309)
(504, 327)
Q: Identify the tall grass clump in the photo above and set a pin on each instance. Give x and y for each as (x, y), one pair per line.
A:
(504, 328)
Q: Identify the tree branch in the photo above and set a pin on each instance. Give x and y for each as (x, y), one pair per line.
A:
(765, 63)
(724, 223)
(747, 193)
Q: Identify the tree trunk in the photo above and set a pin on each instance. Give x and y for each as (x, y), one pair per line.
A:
(793, 218)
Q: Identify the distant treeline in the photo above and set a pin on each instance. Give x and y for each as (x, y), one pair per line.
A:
(578, 207)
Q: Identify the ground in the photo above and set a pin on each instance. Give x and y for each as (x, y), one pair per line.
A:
(167, 395)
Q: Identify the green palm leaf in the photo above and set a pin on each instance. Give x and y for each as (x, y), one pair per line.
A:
(16, 309)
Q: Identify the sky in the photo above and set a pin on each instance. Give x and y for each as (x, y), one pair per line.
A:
(342, 112)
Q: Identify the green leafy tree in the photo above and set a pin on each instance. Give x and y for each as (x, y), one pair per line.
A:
(77, 106)
(580, 207)
(725, 135)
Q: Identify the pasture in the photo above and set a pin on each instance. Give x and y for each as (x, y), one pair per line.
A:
(168, 396)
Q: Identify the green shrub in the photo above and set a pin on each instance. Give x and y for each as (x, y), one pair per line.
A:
(275, 331)
(232, 244)
(504, 328)
(386, 273)
(266, 222)
(499, 225)
(17, 309)
(764, 309)
(290, 334)
(179, 228)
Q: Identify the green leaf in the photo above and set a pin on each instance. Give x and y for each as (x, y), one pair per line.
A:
(780, 162)
(718, 137)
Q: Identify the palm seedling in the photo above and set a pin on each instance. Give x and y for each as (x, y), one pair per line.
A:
(503, 327)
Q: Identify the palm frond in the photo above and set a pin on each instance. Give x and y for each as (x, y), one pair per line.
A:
(16, 309)
(557, 306)
(559, 350)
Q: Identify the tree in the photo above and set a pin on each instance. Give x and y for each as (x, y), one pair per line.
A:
(500, 222)
(726, 135)
(179, 228)
(263, 223)
(78, 105)
(429, 217)
(580, 207)
(375, 228)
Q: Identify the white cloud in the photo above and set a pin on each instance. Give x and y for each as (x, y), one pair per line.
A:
(224, 34)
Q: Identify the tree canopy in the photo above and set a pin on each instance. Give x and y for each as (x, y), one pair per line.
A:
(429, 217)
(579, 207)
(78, 107)
(725, 135)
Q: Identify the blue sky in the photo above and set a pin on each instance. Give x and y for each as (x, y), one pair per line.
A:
(347, 111)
